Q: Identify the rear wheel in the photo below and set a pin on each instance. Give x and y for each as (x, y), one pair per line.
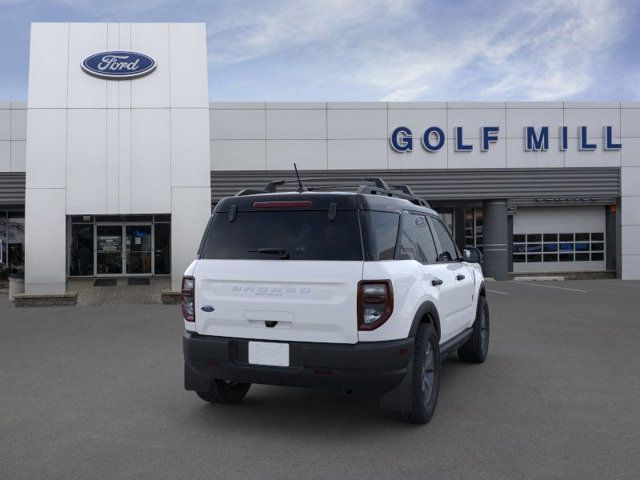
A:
(426, 376)
(476, 348)
(223, 391)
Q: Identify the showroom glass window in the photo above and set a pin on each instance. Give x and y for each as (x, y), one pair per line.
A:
(12, 241)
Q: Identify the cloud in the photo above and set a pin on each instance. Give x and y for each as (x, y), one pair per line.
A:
(547, 51)
(540, 50)
(266, 28)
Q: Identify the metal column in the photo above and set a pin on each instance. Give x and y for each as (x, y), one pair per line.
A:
(496, 239)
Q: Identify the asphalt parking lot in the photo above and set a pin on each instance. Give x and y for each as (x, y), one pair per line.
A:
(96, 392)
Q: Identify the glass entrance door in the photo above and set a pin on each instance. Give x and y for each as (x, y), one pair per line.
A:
(139, 249)
(109, 249)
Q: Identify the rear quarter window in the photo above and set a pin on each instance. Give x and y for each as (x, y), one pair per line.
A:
(381, 234)
(304, 234)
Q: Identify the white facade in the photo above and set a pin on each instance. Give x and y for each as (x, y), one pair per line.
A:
(91, 146)
(13, 136)
(344, 135)
(98, 146)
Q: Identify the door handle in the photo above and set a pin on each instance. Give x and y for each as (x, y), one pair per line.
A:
(459, 277)
(436, 281)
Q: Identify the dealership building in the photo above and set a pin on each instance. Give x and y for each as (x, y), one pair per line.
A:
(113, 164)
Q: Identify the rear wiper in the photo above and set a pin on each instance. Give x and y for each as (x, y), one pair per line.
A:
(283, 252)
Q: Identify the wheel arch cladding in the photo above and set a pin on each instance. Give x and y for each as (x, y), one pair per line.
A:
(427, 313)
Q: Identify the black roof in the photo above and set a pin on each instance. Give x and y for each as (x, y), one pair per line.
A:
(376, 194)
(322, 201)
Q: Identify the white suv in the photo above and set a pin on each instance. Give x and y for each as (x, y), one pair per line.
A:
(361, 291)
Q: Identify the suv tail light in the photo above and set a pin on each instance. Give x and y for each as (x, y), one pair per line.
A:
(188, 300)
(375, 303)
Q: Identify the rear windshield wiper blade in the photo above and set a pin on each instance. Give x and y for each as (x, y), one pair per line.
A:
(283, 252)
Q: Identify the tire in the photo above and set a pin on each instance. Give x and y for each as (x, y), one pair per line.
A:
(476, 348)
(425, 383)
(222, 391)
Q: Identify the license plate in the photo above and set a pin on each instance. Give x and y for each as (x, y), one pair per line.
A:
(269, 353)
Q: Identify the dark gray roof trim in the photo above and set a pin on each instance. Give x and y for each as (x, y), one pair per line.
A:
(593, 185)
(12, 189)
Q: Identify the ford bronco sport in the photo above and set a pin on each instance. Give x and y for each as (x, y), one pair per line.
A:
(357, 291)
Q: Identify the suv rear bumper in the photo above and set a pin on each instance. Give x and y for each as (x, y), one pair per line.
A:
(372, 367)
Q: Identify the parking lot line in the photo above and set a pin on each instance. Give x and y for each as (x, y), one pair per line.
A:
(551, 286)
(496, 291)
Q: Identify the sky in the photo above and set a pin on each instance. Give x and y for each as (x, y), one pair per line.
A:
(377, 50)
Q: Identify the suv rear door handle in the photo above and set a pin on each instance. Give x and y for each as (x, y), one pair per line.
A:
(459, 277)
(436, 281)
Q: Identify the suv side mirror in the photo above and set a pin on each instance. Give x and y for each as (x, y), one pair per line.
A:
(472, 255)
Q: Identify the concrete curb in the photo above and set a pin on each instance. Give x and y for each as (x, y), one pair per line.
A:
(170, 298)
(23, 300)
(538, 279)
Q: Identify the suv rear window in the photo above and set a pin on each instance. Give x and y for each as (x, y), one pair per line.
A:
(302, 234)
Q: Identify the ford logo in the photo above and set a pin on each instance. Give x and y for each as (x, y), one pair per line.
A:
(118, 65)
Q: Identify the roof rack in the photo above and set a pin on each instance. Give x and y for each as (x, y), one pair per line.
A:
(379, 187)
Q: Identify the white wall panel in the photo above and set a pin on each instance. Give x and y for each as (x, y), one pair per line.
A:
(597, 158)
(238, 155)
(188, 56)
(86, 91)
(86, 161)
(190, 165)
(153, 90)
(190, 211)
(296, 124)
(307, 154)
(630, 211)
(47, 148)
(630, 181)
(630, 239)
(150, 161)
(113, 43)
(517, 157)
(5, 124)
(18, 124)
(111, 162)
(630, 266)
(495, 157)
(45, 241)
(418, 158)
(357, 154)
(124, 86)
(471, 119)
(357, 124)
(5, 156)
(124, 161)
(356, 105)
(518, 118)
(630, 153)
(237, 124)
(593, 119)
(418, 120)
(48, 65)
(18, 156)
(630, 122)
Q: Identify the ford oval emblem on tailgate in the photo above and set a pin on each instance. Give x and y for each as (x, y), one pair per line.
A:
(207, 308)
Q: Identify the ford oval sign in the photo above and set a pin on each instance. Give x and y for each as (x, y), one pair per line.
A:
(118, 65)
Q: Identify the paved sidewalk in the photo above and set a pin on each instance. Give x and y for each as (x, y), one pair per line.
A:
(121, 294)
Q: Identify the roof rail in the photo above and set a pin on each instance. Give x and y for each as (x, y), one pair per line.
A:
(379, 187)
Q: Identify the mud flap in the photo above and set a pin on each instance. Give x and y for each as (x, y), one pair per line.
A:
(194, 381)
(400, 398)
